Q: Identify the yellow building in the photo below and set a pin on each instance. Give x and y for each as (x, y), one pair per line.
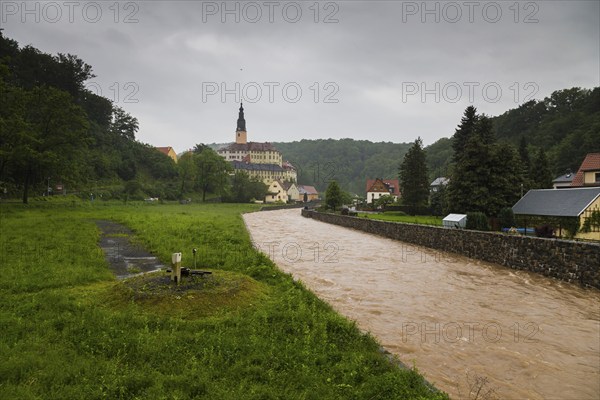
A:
(276, 192)
(258, 160)
(168, 151)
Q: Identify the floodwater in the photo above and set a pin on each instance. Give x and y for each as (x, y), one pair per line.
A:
(459, 321)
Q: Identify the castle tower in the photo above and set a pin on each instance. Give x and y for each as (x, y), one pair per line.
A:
(240, 131)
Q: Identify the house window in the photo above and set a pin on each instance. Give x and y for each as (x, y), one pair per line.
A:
(597, 177)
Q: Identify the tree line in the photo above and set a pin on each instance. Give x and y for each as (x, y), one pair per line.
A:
(55, 130)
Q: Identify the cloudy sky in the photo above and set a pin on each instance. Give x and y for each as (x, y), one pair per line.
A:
(377, 70)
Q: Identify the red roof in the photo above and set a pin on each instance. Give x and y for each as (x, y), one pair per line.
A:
(164, 150)
(393, 184)
(591, 163)
(307, 189)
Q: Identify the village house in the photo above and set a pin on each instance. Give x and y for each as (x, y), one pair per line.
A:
(168, 151)
(589, 172)
(292, 191)
(381, 187)
(276, 192)
(308, 193)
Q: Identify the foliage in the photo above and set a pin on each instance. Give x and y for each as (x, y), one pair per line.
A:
(487, 175)
(384, 200)
(414, 181)
(592, 222)
(477, 221)
(544, 231)
(211, 171)
(507, 218)
(438, 201)
(333, 195)
(244, 189)
(70, 330)
(571, 225)
(541, 177)
(399, 216)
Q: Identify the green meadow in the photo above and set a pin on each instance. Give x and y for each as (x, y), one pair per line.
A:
(70, 330)
(402, 217)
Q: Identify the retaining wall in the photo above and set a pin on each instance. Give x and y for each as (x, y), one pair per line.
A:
(571, 261)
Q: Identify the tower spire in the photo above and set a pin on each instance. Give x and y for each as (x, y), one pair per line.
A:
(240, 131)
(241, 122)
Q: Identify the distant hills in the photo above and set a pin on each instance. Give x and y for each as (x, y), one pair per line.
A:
(566, 125)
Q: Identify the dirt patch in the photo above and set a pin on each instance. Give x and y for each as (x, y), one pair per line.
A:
(124, 258)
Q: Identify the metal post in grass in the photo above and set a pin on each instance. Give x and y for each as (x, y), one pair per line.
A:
(194, 251)
(176, 267)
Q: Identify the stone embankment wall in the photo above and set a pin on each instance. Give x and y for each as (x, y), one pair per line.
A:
(571, 261)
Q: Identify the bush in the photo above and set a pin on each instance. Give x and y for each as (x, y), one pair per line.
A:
(544, 231)
(477, 221)
(345, 211)
(507, 218)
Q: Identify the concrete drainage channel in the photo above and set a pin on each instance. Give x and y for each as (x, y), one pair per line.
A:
(125, 259)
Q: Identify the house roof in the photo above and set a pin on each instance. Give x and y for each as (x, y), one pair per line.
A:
(250, 146)
(256, 167)
(394, 184)
(565, 178)
(590, 163)
(164, 150)
(307, 189)
(440, 181)
(288, 165)
(556, 203)
(287, 185)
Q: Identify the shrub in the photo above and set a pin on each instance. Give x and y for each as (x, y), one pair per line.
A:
(507, 218)
(477, 221)
(345, 211)
(544, 231)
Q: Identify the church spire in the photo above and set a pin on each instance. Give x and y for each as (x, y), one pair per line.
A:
(240, 131)
(241, 122)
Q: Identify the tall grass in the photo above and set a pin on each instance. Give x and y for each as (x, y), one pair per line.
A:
(69, 331)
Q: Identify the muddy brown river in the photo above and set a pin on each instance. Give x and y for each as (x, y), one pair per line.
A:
(457, 320)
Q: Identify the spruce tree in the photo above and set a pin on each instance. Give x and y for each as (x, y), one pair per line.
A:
(414, 181)
(464, 131)
(541, 174)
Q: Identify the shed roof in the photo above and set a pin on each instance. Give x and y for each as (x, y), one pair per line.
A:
(556, 203)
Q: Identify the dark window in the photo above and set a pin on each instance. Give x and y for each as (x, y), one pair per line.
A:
(597, 177)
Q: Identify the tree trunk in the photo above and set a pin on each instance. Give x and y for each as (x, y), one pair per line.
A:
(26, 186)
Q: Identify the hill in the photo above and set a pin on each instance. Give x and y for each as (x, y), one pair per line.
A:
(566, 125)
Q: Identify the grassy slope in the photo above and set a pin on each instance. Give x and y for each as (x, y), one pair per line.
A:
(412, 219)
(69, 331)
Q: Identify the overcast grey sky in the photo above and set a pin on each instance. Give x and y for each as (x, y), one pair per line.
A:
(377, 70)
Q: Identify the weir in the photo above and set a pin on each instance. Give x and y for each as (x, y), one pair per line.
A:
(456, 319)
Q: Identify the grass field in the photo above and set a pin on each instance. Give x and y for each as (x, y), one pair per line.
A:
(69, 330)
(401, 217)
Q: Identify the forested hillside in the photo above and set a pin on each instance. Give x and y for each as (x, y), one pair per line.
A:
(347, 161)
(565, 125)
(55, 131)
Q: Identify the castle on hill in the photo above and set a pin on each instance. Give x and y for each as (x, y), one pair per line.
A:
(258, 160)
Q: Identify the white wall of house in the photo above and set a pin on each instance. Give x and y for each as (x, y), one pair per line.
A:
(293, 193)
(373, 196)
(276, 193)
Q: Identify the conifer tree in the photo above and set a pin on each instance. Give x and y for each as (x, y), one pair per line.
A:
(414, 181)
